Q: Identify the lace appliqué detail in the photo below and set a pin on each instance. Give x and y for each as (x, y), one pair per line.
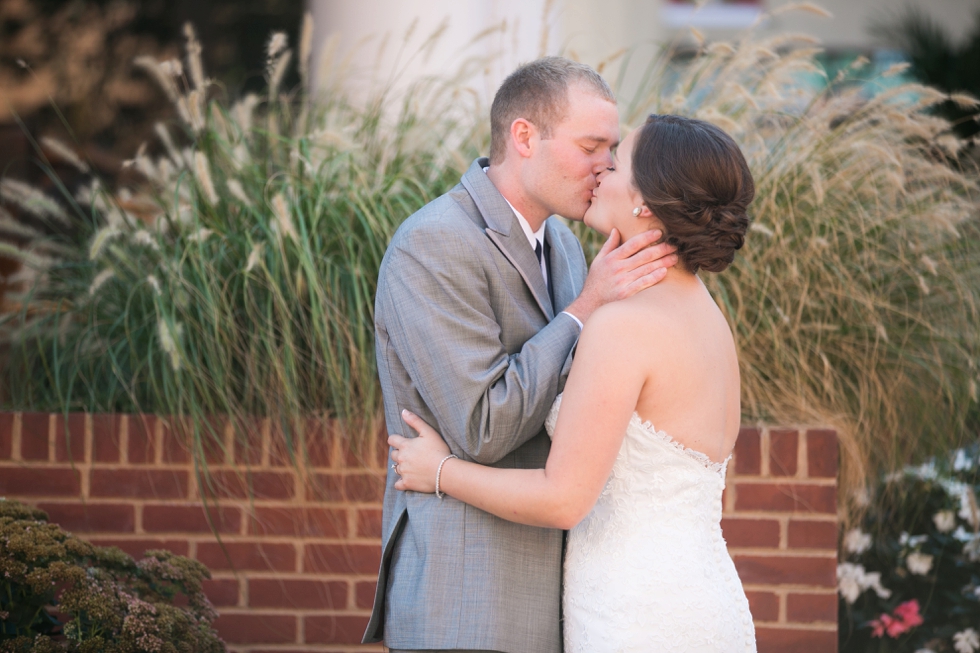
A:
(703, 458)
(648, 569)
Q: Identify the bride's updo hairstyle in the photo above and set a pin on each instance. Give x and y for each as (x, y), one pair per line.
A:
(694, 178)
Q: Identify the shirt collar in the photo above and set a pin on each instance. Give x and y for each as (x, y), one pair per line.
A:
(533, 237)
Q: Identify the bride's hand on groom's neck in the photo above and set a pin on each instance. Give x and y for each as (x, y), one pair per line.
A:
(621, 271)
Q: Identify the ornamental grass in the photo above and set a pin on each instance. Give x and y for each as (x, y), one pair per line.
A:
(239, 280)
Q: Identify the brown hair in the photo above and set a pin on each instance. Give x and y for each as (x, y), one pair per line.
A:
(694, 178)
(538, 92)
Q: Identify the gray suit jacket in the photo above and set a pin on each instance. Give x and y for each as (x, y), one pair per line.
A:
(468, 339)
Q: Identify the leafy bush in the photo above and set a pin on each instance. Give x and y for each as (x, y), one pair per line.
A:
(59, 593)
(912, 582)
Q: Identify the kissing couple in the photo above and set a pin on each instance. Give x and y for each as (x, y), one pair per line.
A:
(547, 503)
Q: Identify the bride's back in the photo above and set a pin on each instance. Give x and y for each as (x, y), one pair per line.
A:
(692, 380)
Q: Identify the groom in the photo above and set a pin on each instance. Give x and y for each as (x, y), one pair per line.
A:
(481, 298)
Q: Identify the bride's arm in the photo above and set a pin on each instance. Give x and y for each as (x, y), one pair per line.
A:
(599, 399)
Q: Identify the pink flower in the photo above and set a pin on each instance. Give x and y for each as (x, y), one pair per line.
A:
(909, 613)
(903, 619)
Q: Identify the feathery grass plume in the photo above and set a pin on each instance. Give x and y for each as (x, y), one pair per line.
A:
(146, 239)
(284, 220)
(168, 143)
(238, 192)
(163, 77)
(64, 153)
(835, 320)
(168, 337)
(154, 284)
(100, 280)
(32, 200)
(200, 235)
(17, 229)
(305, 49)
(102, 236)
(277, 70)
(194, 64)
(254, 257)
(243, 110)
(202, 170)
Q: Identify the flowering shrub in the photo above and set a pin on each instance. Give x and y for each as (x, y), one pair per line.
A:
(914, 585)
(59, 593)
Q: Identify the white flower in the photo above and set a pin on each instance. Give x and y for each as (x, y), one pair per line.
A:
(945, 521)
(926, 471)
(966, 641)
(961, 461)
(853, 579)
(919, 563)
(968, 507)
(911, 542)
(857, 541)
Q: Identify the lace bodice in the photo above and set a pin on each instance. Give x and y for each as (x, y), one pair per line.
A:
(648, 569)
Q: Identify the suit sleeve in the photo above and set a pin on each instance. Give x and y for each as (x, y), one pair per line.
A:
(485, 402)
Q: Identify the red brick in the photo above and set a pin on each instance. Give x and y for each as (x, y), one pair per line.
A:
(249, 484)
(6, 435)
(334, 630)
(369, 523)
(360, 454)
(137, 548)
(191, 519)
(318, 438)
(750, 532)
(34, 436)
(105, 438)
(91, 517)
(174, 442)
(807, 608)
(364, 488)
(777, 570)
(139, 483)
(326, 487)
(763, 605)
(812, 534)
(364, 593)
(342, 559)
(748, 452)
(40, 482)
(142, 441)
(785, 640)
(299, 522)
(222, 592)
(252, 628)
(783, 448)
(786, 497)
(821, 453)
(248, 441)
(247, 556)
(283, 445)
(69, 444)
(297, 594)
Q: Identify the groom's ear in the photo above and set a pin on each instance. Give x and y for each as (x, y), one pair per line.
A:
(522, 135)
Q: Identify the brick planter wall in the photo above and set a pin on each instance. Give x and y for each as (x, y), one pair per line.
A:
(299, 548)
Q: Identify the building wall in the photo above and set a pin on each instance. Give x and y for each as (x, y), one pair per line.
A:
(299, 547)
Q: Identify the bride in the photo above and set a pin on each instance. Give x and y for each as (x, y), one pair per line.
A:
(647, 421)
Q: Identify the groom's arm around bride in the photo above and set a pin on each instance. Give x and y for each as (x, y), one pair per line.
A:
(473, 336)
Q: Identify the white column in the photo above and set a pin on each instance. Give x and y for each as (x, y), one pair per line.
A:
(375, 32)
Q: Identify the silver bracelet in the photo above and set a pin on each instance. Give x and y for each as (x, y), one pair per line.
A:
(439, 473)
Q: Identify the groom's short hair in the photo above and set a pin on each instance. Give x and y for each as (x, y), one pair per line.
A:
(538, 92)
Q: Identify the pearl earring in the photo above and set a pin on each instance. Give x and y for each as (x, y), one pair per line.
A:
(636, 212)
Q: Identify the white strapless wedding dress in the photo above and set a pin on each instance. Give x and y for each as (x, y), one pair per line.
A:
(647, 570)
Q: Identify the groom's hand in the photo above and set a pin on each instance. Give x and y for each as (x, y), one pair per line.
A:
(621, 271)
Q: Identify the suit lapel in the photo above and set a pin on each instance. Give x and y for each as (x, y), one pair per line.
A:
(562, 279)
(506, 233)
